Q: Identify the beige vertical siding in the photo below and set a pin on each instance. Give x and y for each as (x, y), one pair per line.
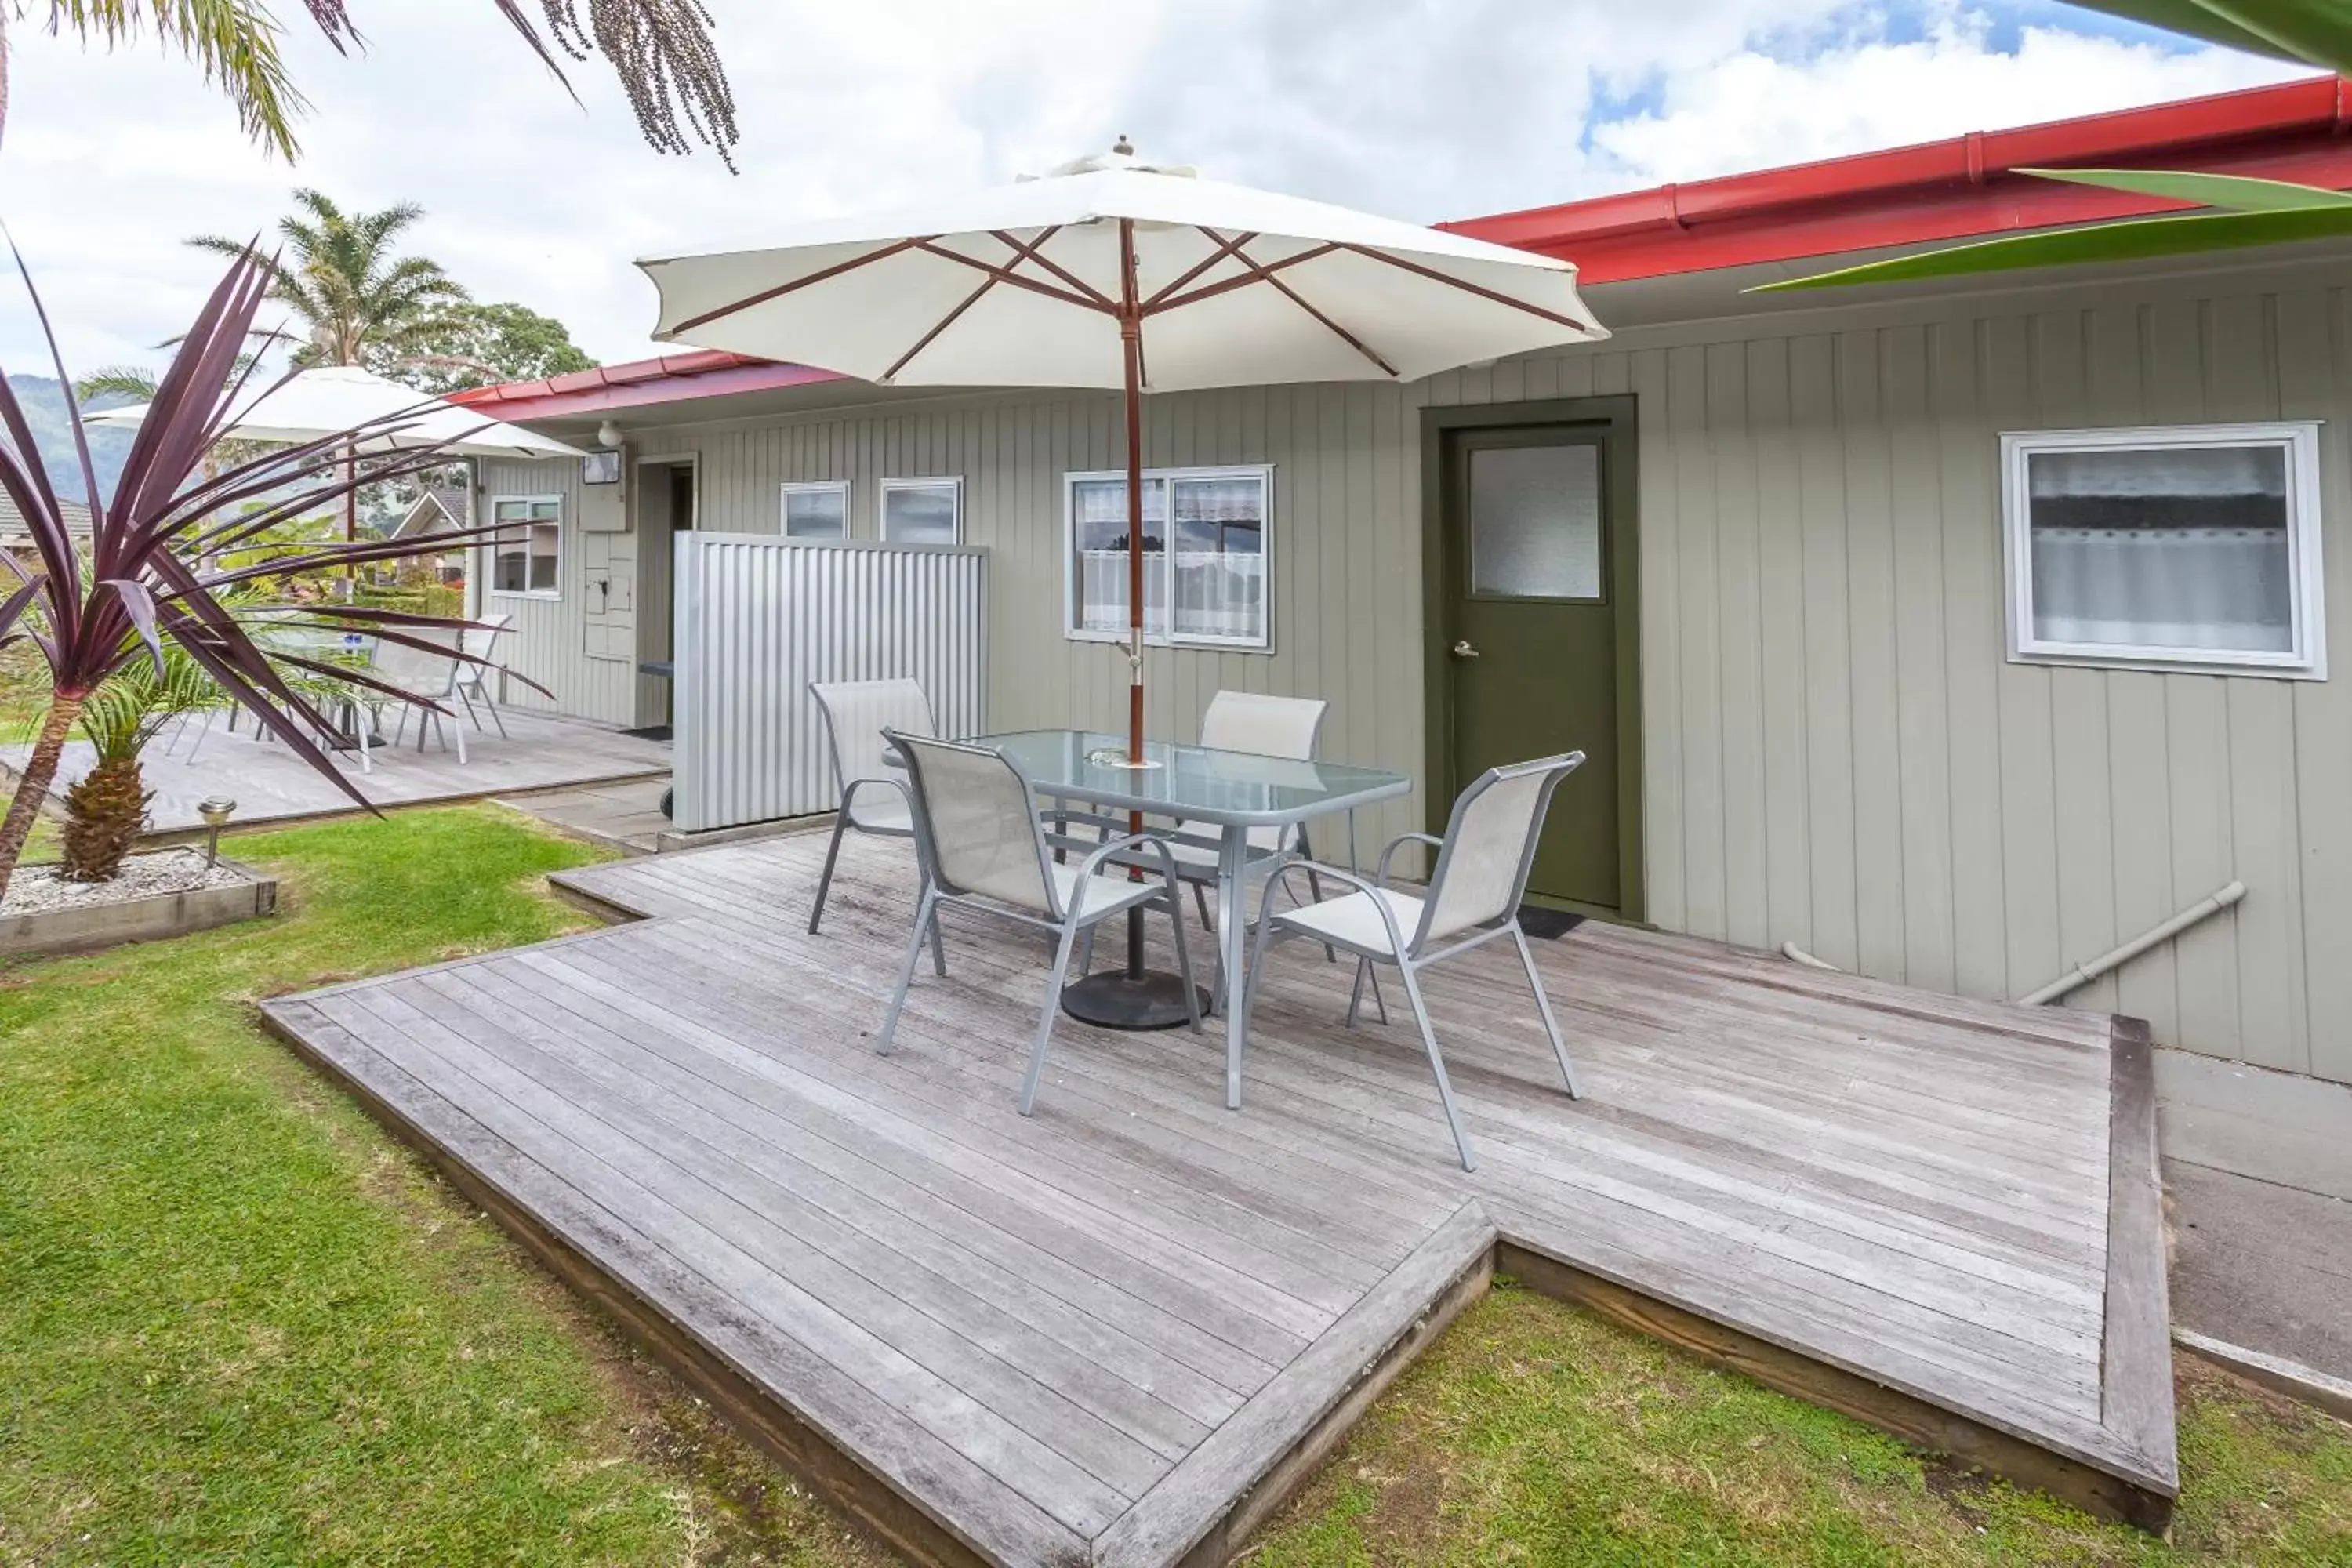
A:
(1840, 753)
(587, 661)
(1346, 592)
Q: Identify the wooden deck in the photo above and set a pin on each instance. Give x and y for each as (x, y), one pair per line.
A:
(1119, 1331)
(271, 784)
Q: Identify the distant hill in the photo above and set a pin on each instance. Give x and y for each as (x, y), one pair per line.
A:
(43, 399)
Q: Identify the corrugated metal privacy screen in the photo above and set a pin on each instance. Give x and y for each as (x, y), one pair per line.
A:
(758, 617)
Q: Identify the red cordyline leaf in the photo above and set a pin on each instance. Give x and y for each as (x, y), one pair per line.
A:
(148, 582)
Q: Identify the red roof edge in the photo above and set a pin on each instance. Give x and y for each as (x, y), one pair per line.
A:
(1938, 190)
(638, 383)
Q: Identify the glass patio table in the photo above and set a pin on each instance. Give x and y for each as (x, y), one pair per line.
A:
(1227, 792)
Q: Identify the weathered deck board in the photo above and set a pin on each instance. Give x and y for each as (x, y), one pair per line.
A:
(1095, 1334)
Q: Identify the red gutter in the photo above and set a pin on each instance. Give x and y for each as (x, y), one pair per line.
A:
(1954, 189)
(638, 383)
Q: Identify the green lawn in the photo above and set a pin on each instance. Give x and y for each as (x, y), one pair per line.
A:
(1536, 1433)
(238, 1324)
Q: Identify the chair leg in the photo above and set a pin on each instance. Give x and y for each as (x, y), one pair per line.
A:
(1437, 1067)
(1543, 1005)
(1314, 886)
(496, 717)
(939, 946)
(1086, 953)
(1046, 1019)
(1201, 902)
(1183, 956)
(825, 878)
(927, 915)
(1255, 978)
(1365, 970)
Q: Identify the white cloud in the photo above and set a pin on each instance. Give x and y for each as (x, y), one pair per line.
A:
(1753, 110)
(1422, 108)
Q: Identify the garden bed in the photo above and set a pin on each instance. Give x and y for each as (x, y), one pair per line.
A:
(168, 893)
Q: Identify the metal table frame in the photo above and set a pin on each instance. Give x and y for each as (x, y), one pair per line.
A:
(1258, 792)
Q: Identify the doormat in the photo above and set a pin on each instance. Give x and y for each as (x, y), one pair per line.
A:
(650, 733)
(1550, 924)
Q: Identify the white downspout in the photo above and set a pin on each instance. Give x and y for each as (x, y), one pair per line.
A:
(2082, 974)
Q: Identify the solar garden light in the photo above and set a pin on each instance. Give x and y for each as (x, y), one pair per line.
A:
(214, 809)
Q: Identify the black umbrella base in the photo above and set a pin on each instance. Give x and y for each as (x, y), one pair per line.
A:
(1114, 999)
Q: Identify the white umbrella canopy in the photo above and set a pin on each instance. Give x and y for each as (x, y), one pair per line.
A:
(1020, 285)
(330, 399)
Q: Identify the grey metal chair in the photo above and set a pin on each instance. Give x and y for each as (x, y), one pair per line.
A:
(874, 798)
(983, 847)
(1473, 898)
(1267, 726)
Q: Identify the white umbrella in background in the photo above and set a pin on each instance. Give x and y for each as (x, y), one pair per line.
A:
(314, 404)
(1111, 272)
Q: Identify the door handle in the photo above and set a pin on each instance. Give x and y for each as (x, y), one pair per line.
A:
(1463, 650)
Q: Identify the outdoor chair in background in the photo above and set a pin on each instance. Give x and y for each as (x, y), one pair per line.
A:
(983, 846)
(430, 673)
(874, 797)
(1266, 726)
(470, 682)
(1473, 898)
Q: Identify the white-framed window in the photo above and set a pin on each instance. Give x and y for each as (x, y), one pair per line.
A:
(1214, 575)
(922, 511)
(527, 550)
(2192, 547)
(817, 511)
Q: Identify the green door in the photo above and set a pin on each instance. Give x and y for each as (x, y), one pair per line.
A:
(1531, 635)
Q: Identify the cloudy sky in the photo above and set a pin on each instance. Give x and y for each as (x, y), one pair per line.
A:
(1419, 109)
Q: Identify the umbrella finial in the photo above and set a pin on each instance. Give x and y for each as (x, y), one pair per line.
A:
(1123, 147)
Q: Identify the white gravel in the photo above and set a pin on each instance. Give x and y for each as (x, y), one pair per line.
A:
(36, 889)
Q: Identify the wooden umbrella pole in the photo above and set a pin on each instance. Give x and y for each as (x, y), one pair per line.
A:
(1130, 336)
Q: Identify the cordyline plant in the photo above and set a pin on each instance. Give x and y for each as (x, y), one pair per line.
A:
(170, 554)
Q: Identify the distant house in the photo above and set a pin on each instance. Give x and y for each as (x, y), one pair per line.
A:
(1953, 632)
(439, 510)
(16, 539)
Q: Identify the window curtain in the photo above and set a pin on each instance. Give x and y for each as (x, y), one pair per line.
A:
(2162, 548)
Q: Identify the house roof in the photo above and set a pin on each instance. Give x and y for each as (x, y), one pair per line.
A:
(1959, 188)
(449, 501)
(15, 535)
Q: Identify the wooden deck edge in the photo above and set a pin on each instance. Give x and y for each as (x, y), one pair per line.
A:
(2094, 1490)
(2280, 1375)
(2136, 1347)
(1207, 1506)
(612, 911)
(835, 1474)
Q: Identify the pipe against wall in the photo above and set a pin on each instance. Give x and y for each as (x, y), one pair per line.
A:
(2082, 974)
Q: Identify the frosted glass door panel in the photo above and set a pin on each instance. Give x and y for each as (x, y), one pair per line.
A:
(1535, 522)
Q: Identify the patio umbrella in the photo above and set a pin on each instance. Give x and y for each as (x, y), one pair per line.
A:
(312, 403)
(1113, 272)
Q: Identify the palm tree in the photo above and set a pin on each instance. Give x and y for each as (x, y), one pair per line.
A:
(356, 300)
(660, 49)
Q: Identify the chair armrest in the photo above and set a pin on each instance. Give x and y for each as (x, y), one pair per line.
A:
(1109, 846)
(1348, 879)
(1400, 841)
(850, 789)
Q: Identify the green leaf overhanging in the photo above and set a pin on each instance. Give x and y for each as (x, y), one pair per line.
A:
(2133, 240)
